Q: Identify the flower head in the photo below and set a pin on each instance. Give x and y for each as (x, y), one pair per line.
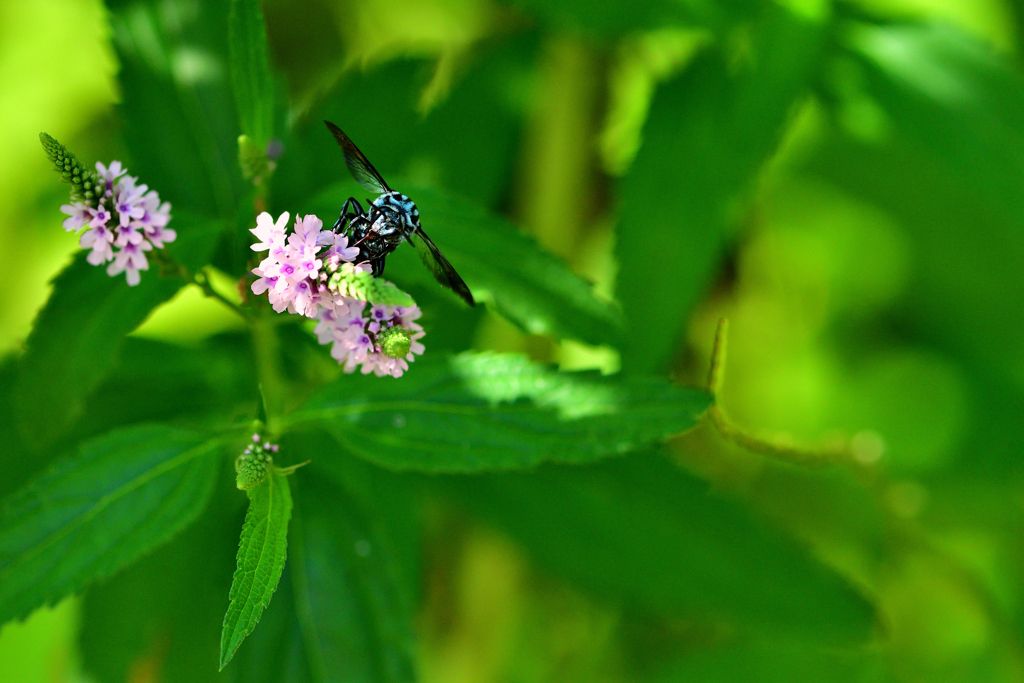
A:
(252, 465)
(135, 223)
(383, 343)
(311, 272)
(292, 274)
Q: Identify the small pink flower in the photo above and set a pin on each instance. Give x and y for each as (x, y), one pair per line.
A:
(99, 240)
(78, 214)
(130, 260)
(127, 234)
(160, 236)
(155, 214)
(129, 207)
(337, 247)
(306, 233)
(263, 283)
(98, 216)
(110, 174)
(268, 231)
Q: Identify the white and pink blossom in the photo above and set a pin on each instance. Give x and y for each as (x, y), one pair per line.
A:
(294, 274)
(354, 338)
(78, 215)
(130, 260)
(135, 223)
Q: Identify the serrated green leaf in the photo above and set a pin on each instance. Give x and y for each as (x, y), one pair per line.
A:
(485, 411)
(250, 70)
(261, 555)
(176, 599)
(95, 512)
(275, 652)
(78, 335)
(642, 530)
(502, 266)
(343, 611)
(709, 133)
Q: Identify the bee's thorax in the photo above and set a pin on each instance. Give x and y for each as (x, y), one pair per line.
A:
(394, 214)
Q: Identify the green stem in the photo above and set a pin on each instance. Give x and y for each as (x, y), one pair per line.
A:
(202, 279)
(266, 346)
(793, 455)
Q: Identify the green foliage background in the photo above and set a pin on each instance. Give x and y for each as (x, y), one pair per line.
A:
(843, 180)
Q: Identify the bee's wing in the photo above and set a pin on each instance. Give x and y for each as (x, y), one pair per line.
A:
(358, 165)
(439, 266)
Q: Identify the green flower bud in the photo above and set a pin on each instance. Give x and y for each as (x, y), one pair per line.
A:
(251, 469)
(394, 341)
(253, 159)
(86, 184)
(358, 284)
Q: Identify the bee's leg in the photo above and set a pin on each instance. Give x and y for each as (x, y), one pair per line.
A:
(347, 214)
(377, 266)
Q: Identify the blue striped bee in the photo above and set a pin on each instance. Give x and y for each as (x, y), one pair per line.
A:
(392, 219)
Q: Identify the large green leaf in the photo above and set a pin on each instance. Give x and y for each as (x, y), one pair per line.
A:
(344, 611)
(207, 381)
(775, 662)
(176, 597)
(485, 411)
(78, 335)
(250, 70)
(946, 166)
(261, 554)
(708, 135)
(642, 530)
(949, 170)
(276, 651)
(95, 512)
(351, 594)
(616, 17)
(502, 266)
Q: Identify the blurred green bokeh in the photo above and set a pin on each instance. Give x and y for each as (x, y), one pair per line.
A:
(844, 181)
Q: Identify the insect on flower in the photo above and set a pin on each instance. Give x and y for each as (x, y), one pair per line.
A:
(392, 218)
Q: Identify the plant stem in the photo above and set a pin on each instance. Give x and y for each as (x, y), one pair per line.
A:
(202, 279)
(266, 346)
(794, 455)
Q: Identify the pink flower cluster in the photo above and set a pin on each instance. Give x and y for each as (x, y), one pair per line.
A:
(135, 223)
(260, 446)
(355, 339)
(294, 275)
